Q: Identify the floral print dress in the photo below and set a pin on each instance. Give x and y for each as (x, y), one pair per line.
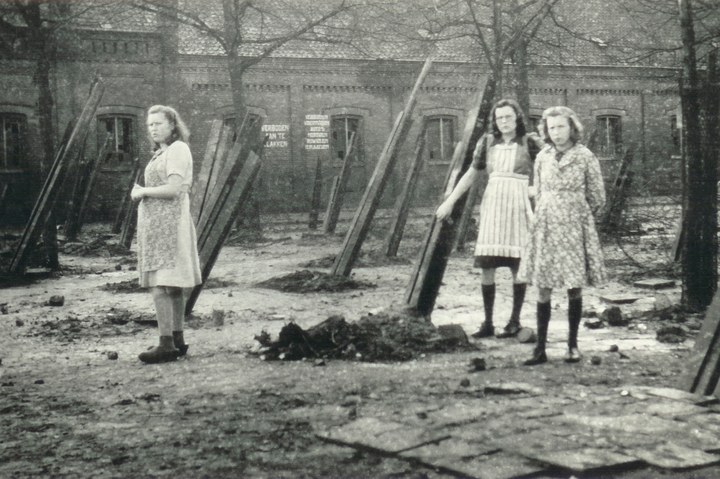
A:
(564, 249)
(167, 242)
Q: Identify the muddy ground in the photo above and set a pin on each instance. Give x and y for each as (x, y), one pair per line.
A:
(76, 402)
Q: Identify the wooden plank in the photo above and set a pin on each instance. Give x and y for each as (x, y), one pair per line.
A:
(316, 194)
(467, 214)
(426, 278)
(402, 204)
(223, 223)
(338, 193)
(125, 201)
(74, 222)
(371, 198)
(130, 223)
(201, 182)
(619, 194)
(49, 194)
(702, 362)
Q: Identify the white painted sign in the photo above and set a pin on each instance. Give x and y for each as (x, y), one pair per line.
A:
(277, 135)
(317, 132)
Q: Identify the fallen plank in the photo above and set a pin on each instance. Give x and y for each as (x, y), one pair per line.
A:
(654, 283)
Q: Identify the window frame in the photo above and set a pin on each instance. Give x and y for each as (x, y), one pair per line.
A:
(359, 149)
(110, 162)
(22, 154)
(613, 136)
(440, 117)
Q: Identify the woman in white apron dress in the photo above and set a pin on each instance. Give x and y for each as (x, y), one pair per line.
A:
(505, 211)
(167, 245)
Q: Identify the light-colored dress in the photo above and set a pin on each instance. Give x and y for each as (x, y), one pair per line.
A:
(564, 249)
(505, 210)
(167, 242)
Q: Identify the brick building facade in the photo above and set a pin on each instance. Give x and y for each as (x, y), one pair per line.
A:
(309, 106)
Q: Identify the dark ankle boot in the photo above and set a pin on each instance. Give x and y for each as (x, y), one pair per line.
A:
(179, 342)
(487, 329)
(543, 318)
(512, 328)
(161, 353)
(574, 315)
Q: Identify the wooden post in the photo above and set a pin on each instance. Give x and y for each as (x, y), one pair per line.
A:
(371, 198)
(466, 217)
(402, 204)
(316, 194)
(215, 238)
(130, 223)
(125, 201)
(619, 194)
(49, 193)
(74, 221)
(427, 275)
(338, 192)
(201, 183)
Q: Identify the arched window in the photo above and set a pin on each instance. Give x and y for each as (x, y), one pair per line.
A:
(121, 130)
(609, 135)
(230, 125)
(440, 138)
(12, 148)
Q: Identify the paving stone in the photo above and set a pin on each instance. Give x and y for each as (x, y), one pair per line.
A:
(584, 459)
(619, 298)
(381, 435)
(675, 394)
(654, 283)
(459, 449)
(458, 413)
(670, 455)
(491, 466)
(666, 408)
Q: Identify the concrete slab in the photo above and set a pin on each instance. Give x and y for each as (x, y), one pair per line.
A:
(452, 449)
(679, 395)
(493, 466)
(669, 455)
(666, 408)
(381, 435)
(619, 298)
(654, 283)
(585, 459)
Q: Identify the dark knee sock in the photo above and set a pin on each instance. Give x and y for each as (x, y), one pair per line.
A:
(518, 298)
(574, 315)
(543, 319)
(488, 294)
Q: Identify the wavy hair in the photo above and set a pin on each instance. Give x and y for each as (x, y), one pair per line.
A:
(520, 125)
(576, 127)
(179, 131)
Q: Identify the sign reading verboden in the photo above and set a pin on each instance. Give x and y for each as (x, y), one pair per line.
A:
(277, 135)
(317, 129)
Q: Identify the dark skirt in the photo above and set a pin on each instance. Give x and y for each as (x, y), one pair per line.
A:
(496, 262)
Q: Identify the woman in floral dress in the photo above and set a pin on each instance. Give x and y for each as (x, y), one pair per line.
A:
(564, 249)
(505, 211)
(167, 245)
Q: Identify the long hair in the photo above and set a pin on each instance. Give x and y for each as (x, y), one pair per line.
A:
(520, 128)
(179, 131)
(576, 127)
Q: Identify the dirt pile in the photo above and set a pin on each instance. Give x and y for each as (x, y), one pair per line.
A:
(392, 335)
(307, 281)
(103, 245)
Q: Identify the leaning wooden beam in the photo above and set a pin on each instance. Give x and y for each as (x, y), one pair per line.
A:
(402, 204)
(619, 193)
(316, 194)
(125, 201)
(130, 222)
(201, 181)
(74, 221)
(338, 192)
(703, 362)
(53, 183)
(467, 214)
(371, 198)
(222, 225)
(427, 275)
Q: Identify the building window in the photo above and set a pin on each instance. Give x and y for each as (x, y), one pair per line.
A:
(609, 135)
(440, 139)
(121, 130)
(13, 141)
(341, 127)
(533, 121)
(229, 126)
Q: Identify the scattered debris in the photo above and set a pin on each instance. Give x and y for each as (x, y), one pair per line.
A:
(614, 317)
(596, 360)
(391, 335)
(526, 335)
(56, 300)
(614, 348)
(99, 246)
(19, 322)
(671, 334)
(654, 283)
(306, 281)
(465, 383)
(477, 364)
(127, 286)
(112, 355)
(619, 298)
(595, 323)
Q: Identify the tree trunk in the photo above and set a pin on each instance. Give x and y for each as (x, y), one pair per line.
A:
(521, 80)
(698, 271)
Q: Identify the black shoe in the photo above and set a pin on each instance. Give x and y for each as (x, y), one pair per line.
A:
(182, 349)
(157, 355)
(486, 331)
(573, 355)
(538, 357)
(511, 329)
